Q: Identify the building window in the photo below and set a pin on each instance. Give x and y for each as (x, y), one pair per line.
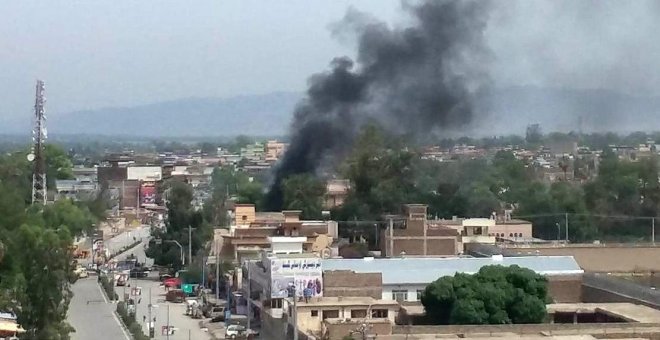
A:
(379, 313)
(400, 295)
(331, 314)
(244, 217)
(419, 294)
(315, 312)
(276, 303)
(510, 235)
(358, 313)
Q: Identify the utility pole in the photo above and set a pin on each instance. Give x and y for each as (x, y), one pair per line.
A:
(566, 221)
(168, 322)
(149, 312)
(249, 293)
(189, 244)
(295, 310)
(653, 230)
(391, 227)
(217, 273)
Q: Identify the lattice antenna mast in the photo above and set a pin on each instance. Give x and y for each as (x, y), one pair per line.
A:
(38, 156)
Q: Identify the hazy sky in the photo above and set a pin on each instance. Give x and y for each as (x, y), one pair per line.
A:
(103, 53)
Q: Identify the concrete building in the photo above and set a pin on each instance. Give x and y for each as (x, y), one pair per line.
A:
(499, 227)
(251, 232)
(75, 189)
(274, 150)
(253, 152)
(318, 316)
(404, 279)
(412, 235)
(336, 193)
(144, 173)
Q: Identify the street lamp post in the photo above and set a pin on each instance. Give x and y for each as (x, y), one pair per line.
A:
(293, 292)
(183, 258)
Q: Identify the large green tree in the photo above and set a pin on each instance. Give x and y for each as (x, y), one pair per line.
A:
(36, 262)
(304, 192)
(494, 295)
(180, 217)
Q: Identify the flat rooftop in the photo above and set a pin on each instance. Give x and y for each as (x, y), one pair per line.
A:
(418, 270)
(628, 311)
(345, 301)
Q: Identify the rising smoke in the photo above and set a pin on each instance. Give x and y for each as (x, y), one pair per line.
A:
(413, 80)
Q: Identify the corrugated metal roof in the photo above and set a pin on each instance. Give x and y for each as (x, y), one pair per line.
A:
(425, 270)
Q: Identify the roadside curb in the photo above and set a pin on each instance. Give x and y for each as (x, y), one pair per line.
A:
(123, 325)
(129, 247)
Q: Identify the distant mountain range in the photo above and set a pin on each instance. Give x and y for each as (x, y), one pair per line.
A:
(504, 111)
(267, 114)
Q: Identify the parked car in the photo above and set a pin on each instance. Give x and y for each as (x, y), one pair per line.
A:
(173, 282)
(138, 272)
(217, 314)
(175, 295)
(235, 331)
(81, 272)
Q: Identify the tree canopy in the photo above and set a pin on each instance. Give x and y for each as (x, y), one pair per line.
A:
(494, 295)
(180, 216)
(36, 261)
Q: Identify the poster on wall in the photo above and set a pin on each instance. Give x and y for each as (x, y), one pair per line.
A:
(147, 194)
(304, 274)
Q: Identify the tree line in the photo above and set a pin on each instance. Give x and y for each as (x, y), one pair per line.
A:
(36, 255)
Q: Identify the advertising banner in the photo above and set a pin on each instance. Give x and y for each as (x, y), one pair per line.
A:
(305, 274)
(147, 194)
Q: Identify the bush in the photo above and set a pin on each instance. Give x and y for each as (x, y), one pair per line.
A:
(108, 286)
(133, 326)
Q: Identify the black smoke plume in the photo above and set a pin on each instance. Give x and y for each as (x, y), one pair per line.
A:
(413, 80)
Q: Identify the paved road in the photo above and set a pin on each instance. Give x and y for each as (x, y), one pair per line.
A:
(183, 324)
(126, 238)
(91, 315)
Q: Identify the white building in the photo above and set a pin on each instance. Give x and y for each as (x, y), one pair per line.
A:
(144, 173)
(404, 279)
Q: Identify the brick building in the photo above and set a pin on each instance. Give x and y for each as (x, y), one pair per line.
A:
(412, 235)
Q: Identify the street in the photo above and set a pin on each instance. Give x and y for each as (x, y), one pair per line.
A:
(126, 238)
(91, 314)
(185, 326)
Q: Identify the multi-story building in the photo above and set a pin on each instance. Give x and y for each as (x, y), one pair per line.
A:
(414, 234)
(336, 192)
(274, 150)
(253, 152)
(250, 232)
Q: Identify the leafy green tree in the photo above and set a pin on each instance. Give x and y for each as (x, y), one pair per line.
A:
(304, 192)
(180, 216)
(495, 295)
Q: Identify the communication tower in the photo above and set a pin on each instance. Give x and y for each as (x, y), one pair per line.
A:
(37, 153)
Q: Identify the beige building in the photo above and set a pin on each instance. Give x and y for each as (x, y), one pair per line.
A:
(336, 192)
(250, 232)
(274, 150)
(311, 314)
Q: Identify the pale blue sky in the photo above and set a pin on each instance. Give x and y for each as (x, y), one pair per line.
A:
(113, 53)
(99, 53)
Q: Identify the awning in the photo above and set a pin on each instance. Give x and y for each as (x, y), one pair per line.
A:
(7, 326)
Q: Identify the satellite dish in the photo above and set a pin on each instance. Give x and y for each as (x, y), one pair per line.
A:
(30, 157)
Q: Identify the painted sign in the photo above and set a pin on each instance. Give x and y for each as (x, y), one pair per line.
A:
(305, 274)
